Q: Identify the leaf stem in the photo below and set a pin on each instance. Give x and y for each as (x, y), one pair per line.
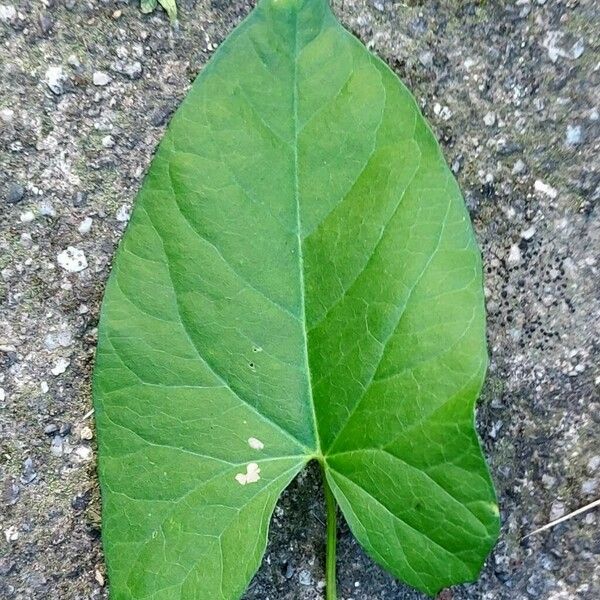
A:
(330, 579)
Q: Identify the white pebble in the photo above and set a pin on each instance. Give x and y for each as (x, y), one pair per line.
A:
(27, 216)
(7, 12)
(589, 487)
(55, 78)
(85, 225)
(123, 214)
(574, 135)
(514, 256)
(528, 233)
(442, 111)
(489, 119)
(83, 452)
(593, 463)
(2, 395)
(519, 167)
(7, 114)
(11, 534)
(86, 433)
(554, 44)
(72, 260)
(544, 188)
(101, 78)
(60, 367)
(46, 209)
(548, 481)
(73, 60)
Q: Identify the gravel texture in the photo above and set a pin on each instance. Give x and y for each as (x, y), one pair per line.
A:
(511, 88)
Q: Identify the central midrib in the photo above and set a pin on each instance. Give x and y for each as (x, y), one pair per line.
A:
(296, 52)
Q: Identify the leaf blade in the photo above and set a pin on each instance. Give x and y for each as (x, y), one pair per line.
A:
(302, 247)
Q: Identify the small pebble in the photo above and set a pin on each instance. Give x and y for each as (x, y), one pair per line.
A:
(548, 481)
(55, 78)
(27, 216)
(123, 214)
(46, 209)
(11, 493)
(133, 70)
(442, 111)
(98, 575)
(593, 464)
(83, 452)
(72, 260)
(56, 448)
(489, 119)
(6, 115)
(28, 475)
(514, 255)
(528, 233)
(574, 135)
(74, 61)
(426, 58)
(519, 168)
(85, 226)
(7, 13)
(15, 193)
(589, 487)
(304, 577)
(86, 433)
(544, 188)
(60, 367)
(557, 47)
(11, 534)
(557, 510)
(101, 78)
(45, 23)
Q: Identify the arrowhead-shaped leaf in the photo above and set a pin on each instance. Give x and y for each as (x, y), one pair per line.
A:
(299, 281)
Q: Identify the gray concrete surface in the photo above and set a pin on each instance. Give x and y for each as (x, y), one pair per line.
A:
(512, 90)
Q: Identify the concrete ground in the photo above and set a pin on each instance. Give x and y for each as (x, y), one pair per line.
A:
(512, 90)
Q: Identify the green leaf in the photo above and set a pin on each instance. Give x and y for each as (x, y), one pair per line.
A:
(148, 6)
(299, 281)
(170, 6)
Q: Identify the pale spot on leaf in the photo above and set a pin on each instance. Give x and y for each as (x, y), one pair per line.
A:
(255, 443)
(252, 474)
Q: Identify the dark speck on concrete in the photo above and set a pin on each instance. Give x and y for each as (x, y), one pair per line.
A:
(15, 193)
